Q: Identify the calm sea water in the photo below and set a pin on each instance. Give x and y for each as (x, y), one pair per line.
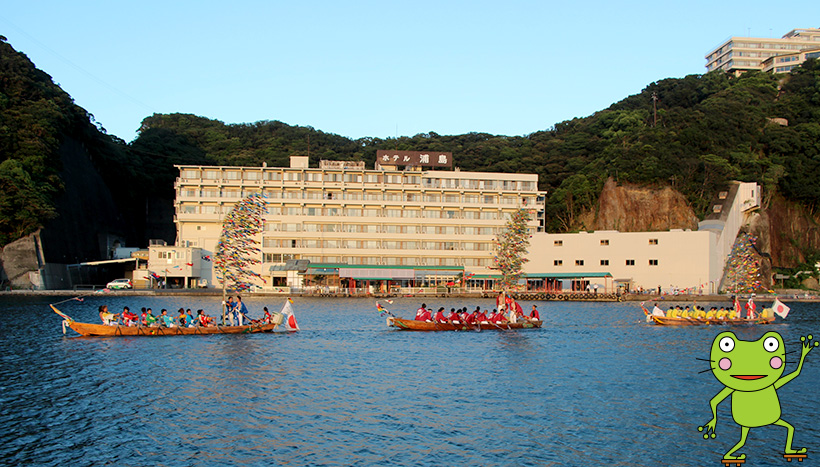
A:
(595, 386)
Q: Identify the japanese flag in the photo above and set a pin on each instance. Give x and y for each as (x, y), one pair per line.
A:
(290, 320)
(781, 309)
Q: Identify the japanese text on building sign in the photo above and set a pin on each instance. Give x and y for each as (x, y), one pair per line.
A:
(433, 159)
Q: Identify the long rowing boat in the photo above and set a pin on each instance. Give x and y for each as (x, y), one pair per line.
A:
(766, 317)
(100, 330)
(663, 320)
(413, 325)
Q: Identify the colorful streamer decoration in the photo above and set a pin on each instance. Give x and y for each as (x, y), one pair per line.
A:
(511, 249)
(743, 266)
(237, 250)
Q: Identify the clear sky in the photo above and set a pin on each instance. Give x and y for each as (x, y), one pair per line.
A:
(376, 68)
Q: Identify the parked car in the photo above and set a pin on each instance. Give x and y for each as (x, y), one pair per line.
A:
(119, 284)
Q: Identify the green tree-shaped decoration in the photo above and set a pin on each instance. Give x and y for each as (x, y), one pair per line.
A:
(511, 248)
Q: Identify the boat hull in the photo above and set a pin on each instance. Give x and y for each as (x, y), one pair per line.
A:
(102, 330)
(665, 321)
(413, 325)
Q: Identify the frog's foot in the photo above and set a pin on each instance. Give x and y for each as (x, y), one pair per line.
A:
(799, 456)
(732, 462)
(795, 451)
(728, 457)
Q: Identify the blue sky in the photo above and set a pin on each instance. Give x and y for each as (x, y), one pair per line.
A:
(375, 68)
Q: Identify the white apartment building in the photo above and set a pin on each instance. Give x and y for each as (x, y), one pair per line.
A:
(341, 213)
(739, 54)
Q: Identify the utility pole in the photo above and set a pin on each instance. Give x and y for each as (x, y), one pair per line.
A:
(654, 109)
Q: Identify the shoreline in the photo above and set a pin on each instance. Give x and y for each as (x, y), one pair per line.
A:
(785, 295)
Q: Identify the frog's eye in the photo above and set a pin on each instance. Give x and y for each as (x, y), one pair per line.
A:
(727, 344)
(771, 344)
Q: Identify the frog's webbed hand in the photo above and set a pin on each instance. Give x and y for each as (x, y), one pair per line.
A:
(709, 428)
(807, 345)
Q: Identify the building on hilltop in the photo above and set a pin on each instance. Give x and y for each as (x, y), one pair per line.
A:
(739, 54)
(784, 63)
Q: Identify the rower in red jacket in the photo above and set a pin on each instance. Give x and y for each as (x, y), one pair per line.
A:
(421, 311)
(439, 318)
(534, 313)
(481, 317)
(454, 316)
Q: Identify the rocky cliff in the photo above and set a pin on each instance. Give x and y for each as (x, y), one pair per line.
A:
(632, 208)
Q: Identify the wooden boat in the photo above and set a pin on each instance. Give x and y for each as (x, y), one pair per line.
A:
(766, 317)
(413, 325)
(663, 320)
(99, 330)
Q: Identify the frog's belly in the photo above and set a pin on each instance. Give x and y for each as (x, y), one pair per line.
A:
(758, 408)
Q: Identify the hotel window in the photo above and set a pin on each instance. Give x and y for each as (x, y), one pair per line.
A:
(432, 214)
(291, 211)
(653, 241)
(392, 212)
(489, 199)
(273, 175)
(630, 262)
(211, 174)
(471, 199)
(558, 243)
(489, 215)
(353, 212)
(557, 262)
(451, 198)
(604, 242)
(579, 262)
(291, 227)
(653, 262)
(190, 174)
(410, 213)
(604, 262)
(331, 211)
(450, 215)
(489, 184)
(353, 178)
(470, 215)
(370, 212)
(432, 197)
(253, 175)
(232, 175)
(409, 245)
(188, 209)
(312, 211)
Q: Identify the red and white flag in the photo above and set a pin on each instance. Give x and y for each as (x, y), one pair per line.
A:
(779, 308)
(290, 320)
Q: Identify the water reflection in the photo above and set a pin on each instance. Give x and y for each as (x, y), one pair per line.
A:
(596, 386)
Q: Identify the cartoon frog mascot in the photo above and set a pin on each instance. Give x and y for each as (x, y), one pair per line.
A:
(752, 372)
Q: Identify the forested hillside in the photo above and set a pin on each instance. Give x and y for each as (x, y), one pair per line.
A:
(707, 129)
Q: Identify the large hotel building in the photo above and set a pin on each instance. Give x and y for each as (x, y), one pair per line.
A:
(414, 223)
(739, 54)
(400, 222)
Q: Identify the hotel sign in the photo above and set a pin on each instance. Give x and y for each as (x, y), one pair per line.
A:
(419, 158)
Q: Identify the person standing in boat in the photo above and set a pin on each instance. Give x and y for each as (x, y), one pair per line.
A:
(240, 310)
(750, 308)
(229, 310)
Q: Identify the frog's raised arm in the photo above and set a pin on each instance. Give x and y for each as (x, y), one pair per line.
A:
(807, 345)
(709, 427)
